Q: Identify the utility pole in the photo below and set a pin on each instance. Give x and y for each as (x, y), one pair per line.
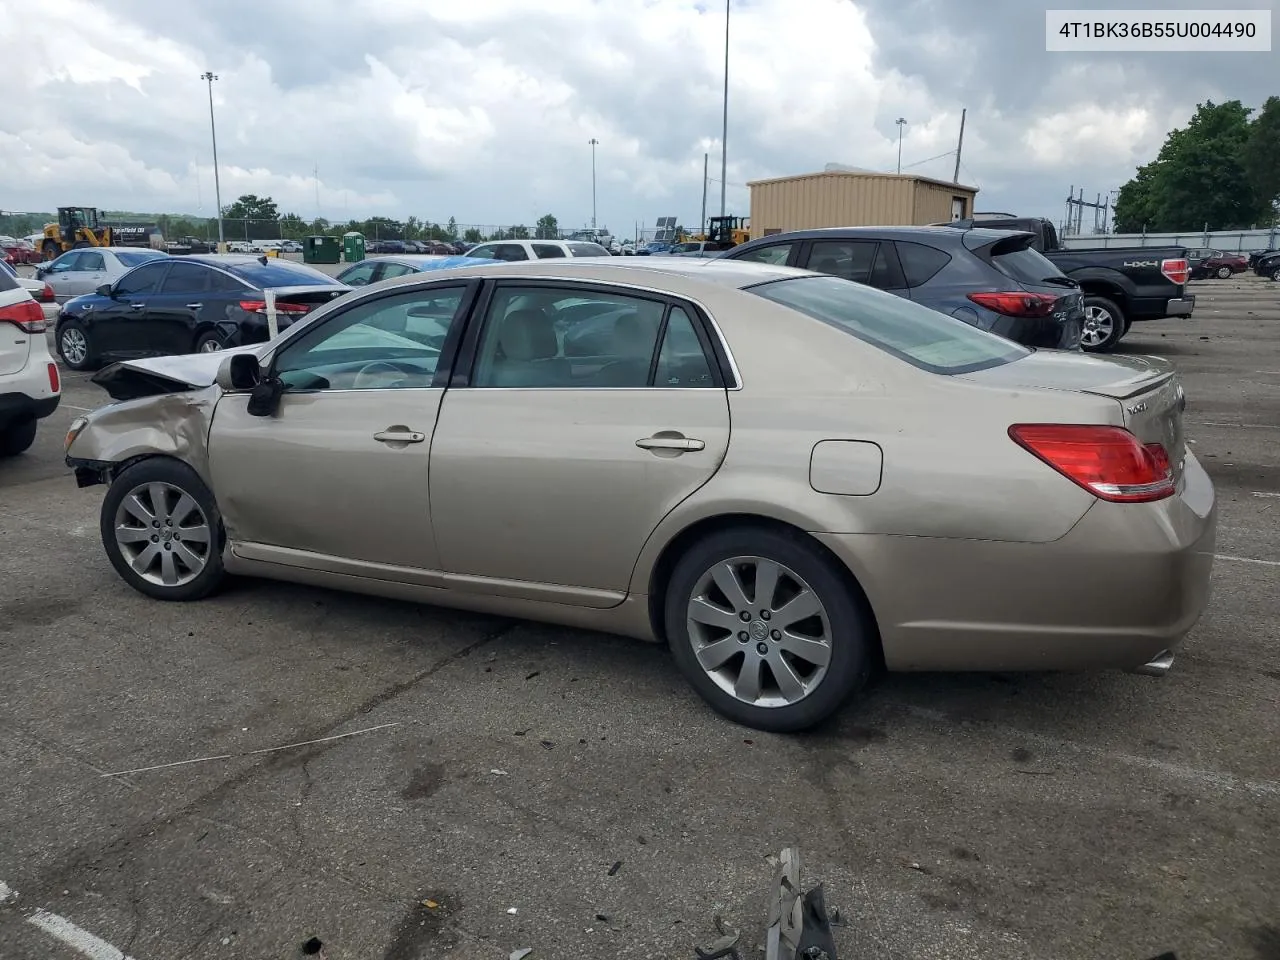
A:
(705, 158)
(959, 146)
(594, 142)
(210, 76)
(901, 123)
(317, 180)
(724, 125)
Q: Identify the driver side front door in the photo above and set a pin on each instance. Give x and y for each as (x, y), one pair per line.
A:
(336, 479)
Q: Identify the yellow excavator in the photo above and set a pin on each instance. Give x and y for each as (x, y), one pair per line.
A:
(79, 227)
(729, 231)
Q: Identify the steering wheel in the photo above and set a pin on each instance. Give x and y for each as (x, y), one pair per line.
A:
(377, 375)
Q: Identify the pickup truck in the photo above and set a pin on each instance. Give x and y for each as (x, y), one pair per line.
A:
(1122, 285)
(183, 245)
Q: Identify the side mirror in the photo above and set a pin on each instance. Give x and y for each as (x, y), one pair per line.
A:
(103, 291)
(238, 373)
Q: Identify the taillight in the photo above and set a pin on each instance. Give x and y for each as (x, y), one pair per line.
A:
(1176, 270)
(287, 309)
(46, 295)
(1017, 304)
(55, 384)
(26, 315)
(1109, 462)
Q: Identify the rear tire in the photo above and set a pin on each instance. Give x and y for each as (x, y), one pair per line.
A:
(17, 437)
(209, 342)
(162, 531)
(776, 679)
(1224, 273)
(1275, 274)
(1104, 325)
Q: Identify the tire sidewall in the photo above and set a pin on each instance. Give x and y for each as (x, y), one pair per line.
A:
(1119, 326)
(851, 626)
(1224, 273)
(89, 358)
(205, 338)
(177, 474)
(17, 437)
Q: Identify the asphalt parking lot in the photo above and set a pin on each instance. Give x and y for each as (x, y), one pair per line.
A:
(567, 792)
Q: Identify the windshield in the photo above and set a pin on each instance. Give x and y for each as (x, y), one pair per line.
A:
(279, 274)
(922, 337)
(131, 258)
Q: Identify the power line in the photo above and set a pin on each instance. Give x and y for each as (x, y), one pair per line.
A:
(949, 153)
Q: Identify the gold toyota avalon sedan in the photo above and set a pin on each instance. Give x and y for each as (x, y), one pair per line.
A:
(785, 476)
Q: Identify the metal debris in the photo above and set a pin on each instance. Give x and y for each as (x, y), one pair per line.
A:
(799, 928)
(520, 954)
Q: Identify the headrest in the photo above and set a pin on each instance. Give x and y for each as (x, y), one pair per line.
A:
(528, 335)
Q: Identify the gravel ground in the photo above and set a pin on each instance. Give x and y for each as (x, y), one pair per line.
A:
(500, 769)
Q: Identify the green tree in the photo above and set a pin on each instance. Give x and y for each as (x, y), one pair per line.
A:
(292, 227)
(547, 228)
(1199, 178)
(451, 229)
(258, 215)
(1262, 156)
(472, 235)
(519, 232)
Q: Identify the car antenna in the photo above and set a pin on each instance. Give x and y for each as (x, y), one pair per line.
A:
(263, 259)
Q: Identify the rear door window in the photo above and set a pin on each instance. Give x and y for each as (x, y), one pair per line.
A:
(847, 259)
(774, 253)
(186, 278)
(547, 251)
(91, 261)
(588, 250)
(920, 263)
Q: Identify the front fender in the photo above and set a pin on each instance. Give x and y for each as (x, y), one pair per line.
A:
(171, 425)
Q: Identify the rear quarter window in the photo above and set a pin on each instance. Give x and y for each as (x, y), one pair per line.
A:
(279, 274)
(588, 250)
(131, 258)
(921, 263)
(1025, 265)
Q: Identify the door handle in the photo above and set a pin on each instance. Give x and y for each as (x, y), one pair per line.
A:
(194, 306)
(136, 306)
(399, 436)
(685, 444)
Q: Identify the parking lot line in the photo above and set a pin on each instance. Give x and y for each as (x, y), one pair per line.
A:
(1265, 563)
(1218, 782)
(81, 941)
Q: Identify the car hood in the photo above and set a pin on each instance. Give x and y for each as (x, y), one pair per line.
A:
(153, 376)
(1115, 377)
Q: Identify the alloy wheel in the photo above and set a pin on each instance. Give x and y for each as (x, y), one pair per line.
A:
(759, 631)
(163, 534)
(210, 346)
(1099, 326)
(74, 346)
(1224, 273)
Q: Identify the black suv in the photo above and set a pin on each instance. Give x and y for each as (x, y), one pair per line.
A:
(992, 279)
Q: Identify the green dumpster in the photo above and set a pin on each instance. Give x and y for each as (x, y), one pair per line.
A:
(320, 250)
(353, 247)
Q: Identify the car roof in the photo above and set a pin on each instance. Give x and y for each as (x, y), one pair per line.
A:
(408, 259)
(947, 234)
(159, 253)
(641, 272)
(232, 259)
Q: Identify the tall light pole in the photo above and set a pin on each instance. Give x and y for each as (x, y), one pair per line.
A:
(901, 123)
(594, 143)
(724, 124)
(210, 76)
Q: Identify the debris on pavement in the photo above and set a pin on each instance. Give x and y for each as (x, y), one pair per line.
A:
(498, 773)
(430, 904)
(724, 947)
(798, 927)
(513, 910)
(313, 946)
(617, 865)
(520, 954)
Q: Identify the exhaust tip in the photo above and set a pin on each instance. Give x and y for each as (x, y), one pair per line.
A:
(1157, 666)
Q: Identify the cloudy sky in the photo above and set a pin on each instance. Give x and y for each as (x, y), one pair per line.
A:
(483, 109)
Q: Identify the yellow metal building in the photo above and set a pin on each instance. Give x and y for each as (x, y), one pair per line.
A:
(846, 198)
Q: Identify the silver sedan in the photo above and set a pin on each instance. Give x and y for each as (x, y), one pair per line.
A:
(82, 271)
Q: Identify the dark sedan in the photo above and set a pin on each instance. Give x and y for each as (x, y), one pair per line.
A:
(991, 279)
(197, 304)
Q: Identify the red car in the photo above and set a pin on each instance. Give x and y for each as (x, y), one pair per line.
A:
(16, 251)
(1214, 263)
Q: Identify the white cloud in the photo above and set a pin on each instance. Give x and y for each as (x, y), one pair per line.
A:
(483, 109)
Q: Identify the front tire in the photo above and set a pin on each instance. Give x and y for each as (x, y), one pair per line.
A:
(1104, 325)
(1275, 274)
(162, 531)
(809, 636)
(1224, 273)
(75, 347)
(17, 437)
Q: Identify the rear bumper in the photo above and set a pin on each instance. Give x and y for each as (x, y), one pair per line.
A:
(1124, 586)
(1180, 307)
(19, 406)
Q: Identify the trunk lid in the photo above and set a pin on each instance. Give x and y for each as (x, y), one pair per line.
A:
(1147, 389)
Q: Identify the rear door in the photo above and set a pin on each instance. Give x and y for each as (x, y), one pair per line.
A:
(549, 472)
(873, 263)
